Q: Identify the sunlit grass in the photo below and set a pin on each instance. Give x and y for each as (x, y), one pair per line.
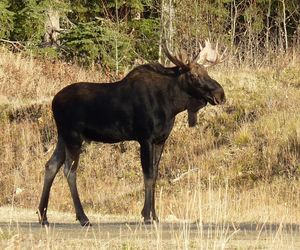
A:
(214, 218)
(237, 170)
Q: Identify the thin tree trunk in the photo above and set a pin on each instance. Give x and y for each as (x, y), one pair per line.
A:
(171, 23)
(167, 26)
(116, 40)
(162, 23)
(52, 27)
(284, 25)
(268, 25)
(234, 12)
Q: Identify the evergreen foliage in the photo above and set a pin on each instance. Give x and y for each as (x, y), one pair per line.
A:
(98, 41)
(114, 32)
(29, 22)
(6, 19)
(146, 33)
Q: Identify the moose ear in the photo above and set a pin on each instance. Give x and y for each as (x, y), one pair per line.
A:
(184, 70)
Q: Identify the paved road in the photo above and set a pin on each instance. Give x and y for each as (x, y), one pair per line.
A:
(165, 235)
(19, 230)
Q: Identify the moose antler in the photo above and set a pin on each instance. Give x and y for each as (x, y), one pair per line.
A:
(172, 58)
(209, 56)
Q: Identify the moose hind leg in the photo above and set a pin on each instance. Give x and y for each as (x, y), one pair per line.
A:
(51, 169)
(71, 163)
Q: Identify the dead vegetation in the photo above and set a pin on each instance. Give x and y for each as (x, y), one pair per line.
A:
(250, 146)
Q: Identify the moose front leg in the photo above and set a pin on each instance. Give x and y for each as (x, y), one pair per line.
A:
(150, 157)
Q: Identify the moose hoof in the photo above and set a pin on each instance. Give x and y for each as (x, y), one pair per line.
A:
(147, 221)
(44, 223)
(151, 221)
(42, 219)
(85, 223)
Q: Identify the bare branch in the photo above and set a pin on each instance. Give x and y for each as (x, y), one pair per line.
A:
(184, 174)
(17, 45)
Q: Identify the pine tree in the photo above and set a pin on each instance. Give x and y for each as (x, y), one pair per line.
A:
(6, 20)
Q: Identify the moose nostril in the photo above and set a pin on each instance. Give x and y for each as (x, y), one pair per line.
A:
(219, 96)
(223, 99)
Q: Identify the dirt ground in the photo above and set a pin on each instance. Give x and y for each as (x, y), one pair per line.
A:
(19, 230)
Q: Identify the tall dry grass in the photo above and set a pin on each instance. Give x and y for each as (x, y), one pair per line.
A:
(219, 225)
(249, 149)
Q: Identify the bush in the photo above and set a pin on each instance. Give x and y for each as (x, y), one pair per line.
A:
(98, 42)
(30, 23)
(6, 19)
(146, 33)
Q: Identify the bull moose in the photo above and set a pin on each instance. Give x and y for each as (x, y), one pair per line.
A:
(140, 107)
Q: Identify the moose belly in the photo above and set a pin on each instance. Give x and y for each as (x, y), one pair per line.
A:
(107, 135)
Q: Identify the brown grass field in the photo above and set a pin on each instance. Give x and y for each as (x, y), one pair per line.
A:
(232, 182)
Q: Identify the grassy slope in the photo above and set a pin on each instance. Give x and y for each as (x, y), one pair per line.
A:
(244, 155)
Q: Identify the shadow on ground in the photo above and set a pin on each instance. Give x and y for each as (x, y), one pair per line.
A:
(164, 226)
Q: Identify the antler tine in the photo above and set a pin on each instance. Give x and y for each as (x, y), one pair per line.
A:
(212, 56)
(200, 45)
(180, 55)
(220, 58)
(223, 57)
(207, 42)
(172, 58)
(200, 55)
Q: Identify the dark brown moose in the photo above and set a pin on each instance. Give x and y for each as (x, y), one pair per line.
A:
(141, 107)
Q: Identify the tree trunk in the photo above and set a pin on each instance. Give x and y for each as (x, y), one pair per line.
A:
(234, 15)
(284, 26)
(52, 27)
(268, 26)
(167, 26)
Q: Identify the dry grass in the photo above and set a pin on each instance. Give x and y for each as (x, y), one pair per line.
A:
(220, 225)
(242, 160)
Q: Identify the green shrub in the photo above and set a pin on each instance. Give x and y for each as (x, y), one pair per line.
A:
(98, 42)
(30, 23)
(146, 33)
(6, 19)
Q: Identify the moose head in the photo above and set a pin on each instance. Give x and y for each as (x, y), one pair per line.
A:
(195, 79)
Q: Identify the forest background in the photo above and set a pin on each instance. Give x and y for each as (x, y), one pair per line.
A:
(116, 34)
